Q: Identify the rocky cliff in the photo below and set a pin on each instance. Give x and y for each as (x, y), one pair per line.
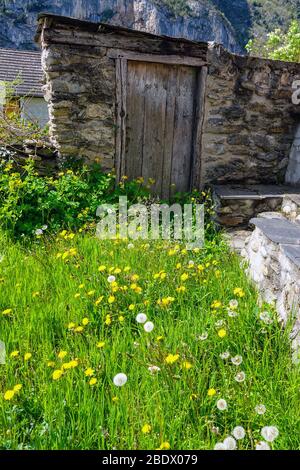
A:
(198, 20)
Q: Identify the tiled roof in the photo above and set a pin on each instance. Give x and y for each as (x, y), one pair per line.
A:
(24, 66)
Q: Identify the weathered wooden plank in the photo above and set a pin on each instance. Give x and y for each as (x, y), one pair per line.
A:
(169, 132)
(147, 45)
(183, 129)
(121, 101)
(154, 125)
(135, 119)
(199, 119)
(159, 59)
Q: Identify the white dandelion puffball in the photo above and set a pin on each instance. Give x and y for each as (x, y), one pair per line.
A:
(233, 304)
(220, 446)
(120, 380)
(262, 446)
(225, 355)
(154, 369)
(191, 263)
(240, 377)
(111, 279)
(237, 360)
(39, 232)
(222, 404)
(232, 313)
(270, 433)
(239, 432)
(141, 318)
(230, 443)
(260, 409)
(149, 326)
(202, 337)
(219, 324)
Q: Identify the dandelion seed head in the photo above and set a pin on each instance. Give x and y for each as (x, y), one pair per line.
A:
(269, 433)
(120, 380)
(141, 318)
(240, 377)
(222, 404)
(149, 327)
(260, 409)
(262, 446)
(239, 432)
(230, 443)
(237, 360)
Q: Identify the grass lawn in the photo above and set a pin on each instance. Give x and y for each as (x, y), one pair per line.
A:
(69, 329)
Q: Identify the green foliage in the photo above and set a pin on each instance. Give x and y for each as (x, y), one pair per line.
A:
(278, 45)
(29, 202)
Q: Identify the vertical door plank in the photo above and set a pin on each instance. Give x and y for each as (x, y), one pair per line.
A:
(199, 119)
(154, 124)
(183, 128)
(135, 119)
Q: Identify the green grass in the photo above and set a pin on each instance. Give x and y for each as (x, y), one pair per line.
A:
(41, 287)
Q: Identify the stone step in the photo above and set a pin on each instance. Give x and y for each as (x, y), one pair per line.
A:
(235, 205)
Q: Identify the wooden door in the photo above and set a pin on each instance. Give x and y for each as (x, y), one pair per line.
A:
(160, 123)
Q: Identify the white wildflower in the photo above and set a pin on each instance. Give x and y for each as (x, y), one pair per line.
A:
(239, 432)
(219, 324)
(39, 232)
(233, 304)
(154, 369)
(149, 326)
(260, 409)
(232, 313)
(230, 443)
(220, 446)
(120, 380)
(111, 279)
(237, 360)
(202, 337)
(222, 404)
(240, 377)
(270, 433)
(141, 318)
(262, 446)
(225, 355)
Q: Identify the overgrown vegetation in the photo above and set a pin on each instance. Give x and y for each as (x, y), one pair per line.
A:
(210, 362)
(279, 45)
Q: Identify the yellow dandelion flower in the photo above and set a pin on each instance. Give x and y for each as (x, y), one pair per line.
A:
(77, 296)
(57, 374)
(115, 399)
(62, 354)
(193, 396)
(211, 392)
(89, 372)
(146, 429)
(178, 265)
(14, 354)
(93, 381)
(51, 364)
(101, 345)
(135, 277)
(222, 333)
(181, 289)
(127, 269)
(85, 321)
(79, 329)
(239, 292)
(184, 277)
(91, 293)
(98, 301)
(171, 358)
(165, 446)
(71, 326)
(18, 388)
(102, 268)
(9, 395)
(111, 299)
(108, 320)
(131, 307)
(8, 311)
(159, 338)
(216, 304)
(121, 319)
(187, 365)
(27, 356)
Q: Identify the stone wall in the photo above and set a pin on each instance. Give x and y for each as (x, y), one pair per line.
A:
(250, 120)
(80, 90)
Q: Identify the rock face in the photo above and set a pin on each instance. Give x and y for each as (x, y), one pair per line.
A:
(202, 21)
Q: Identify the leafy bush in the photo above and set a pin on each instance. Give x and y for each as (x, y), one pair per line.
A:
(279, 45)
(30, 203)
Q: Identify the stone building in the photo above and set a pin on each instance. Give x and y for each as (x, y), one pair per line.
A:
(184, 113)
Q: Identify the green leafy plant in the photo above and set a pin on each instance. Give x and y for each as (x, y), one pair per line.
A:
(278, 45)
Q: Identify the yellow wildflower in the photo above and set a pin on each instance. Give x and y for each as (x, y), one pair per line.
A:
(216, 304)
(211, 392)
(184, 277)
(146, 429)
(8, 311)
(108, 320)
(85, 321)
(165, 446)
(18, 388)
(187, 365)
(171, 358)
(222, 333)
(62, 354)
(102, 268)
(239, 292)
(101, 345)
(57, 374)
(79, 329)
(181, 289)
(111, 299)
(89, 372)
(9, 395)
(71, 326)
(27, 356)
(93, 381)
(131, 307)
(14, 354)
